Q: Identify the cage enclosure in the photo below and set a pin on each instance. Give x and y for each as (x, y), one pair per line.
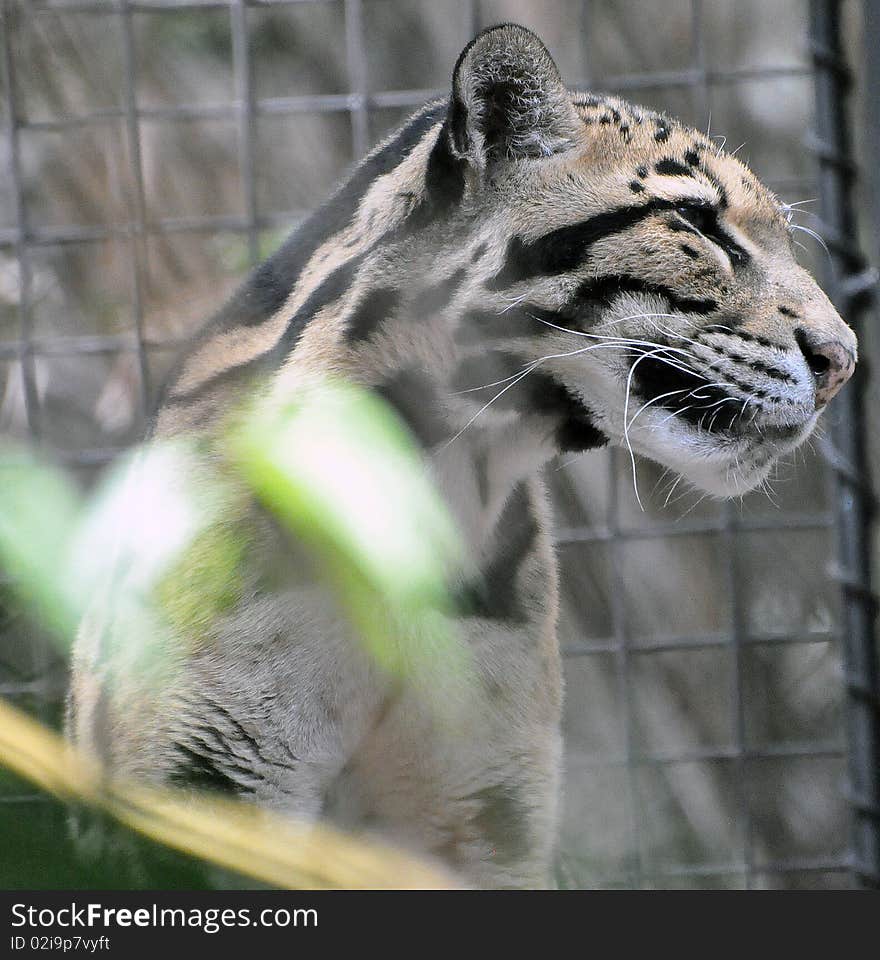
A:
(721, 712)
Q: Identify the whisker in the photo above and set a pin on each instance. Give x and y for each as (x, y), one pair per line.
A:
(633, 342)
(599, 336)
(672, 490)
(516, 378)
(571, 460)
(632, 455)
(815, 236)
(644, 406)
(693, 507)
(660, 479)
(495, 383)
(675, 413)
(486, 406)
(514, 302)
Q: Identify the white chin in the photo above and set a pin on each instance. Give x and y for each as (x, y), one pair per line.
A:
(719, 467)
(726, 479)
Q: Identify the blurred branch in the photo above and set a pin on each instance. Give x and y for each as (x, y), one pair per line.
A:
(157, 553)
(231, 834)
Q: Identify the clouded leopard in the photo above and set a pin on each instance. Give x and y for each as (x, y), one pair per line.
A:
(519, 271)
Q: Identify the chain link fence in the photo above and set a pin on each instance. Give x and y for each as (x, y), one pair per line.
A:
(722, 699)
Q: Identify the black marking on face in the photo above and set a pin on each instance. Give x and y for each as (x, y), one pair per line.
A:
(495, 594)
(642, 171)
(607, 288)
(765, 368)
(576, 431)
(636, 187)
(672, 168)
(479, 252)
(715, 180)
(727, 327)
(676, 226)
(692, 158)
(432, 300)
(689, 251)
(578, 434)
(702, 218)
(700, 399)
(697, 400)
(414, 398)
(724, 350)
(567, 247)
(661, 135)
(377, 307)
(788, 312)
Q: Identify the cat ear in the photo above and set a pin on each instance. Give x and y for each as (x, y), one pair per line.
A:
(508, 100)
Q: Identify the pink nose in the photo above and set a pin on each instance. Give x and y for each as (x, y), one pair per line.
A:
(831, 365)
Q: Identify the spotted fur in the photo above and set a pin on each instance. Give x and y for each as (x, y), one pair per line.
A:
(519, 271)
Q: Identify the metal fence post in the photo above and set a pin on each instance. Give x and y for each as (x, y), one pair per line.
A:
(848, 282)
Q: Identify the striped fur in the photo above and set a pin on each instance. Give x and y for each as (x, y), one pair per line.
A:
(518, 271)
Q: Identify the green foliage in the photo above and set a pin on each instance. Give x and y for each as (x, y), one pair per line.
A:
(159, 553)
(337, 467)
(205, 582)
(38, 514)
(340, 470)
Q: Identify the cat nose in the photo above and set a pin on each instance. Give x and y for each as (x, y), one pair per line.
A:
(830, 362)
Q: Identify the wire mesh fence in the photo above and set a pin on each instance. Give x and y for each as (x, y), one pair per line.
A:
(721, 718)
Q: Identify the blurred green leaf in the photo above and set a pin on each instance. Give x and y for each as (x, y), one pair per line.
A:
(339, 468)
(38, 514)
(154, 557)
(341, 471)
(149, 509)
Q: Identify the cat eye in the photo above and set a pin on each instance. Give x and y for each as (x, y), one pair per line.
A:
(703, 218)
